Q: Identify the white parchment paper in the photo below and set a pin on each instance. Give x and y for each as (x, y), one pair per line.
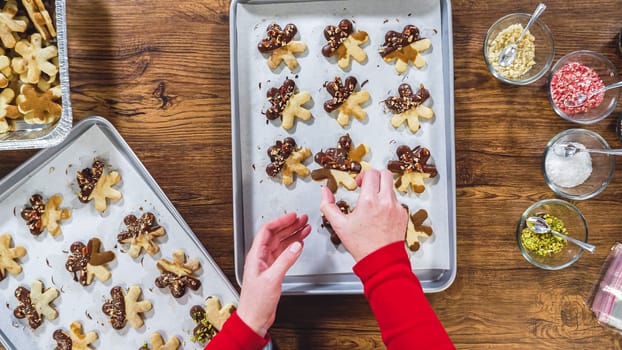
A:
(46, 255)
(266, 198)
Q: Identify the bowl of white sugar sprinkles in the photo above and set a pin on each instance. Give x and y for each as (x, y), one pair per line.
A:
(581, 175)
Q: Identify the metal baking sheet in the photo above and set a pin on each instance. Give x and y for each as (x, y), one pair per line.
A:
(26, 136)
(53, 171)
(322, 268)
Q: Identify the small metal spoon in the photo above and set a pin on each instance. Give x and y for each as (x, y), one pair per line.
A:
(508, 54)
(582, 98)
(540, 226)
(569, 149)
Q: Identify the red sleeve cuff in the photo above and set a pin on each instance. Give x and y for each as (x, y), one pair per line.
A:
(390, 254)
(235, 334)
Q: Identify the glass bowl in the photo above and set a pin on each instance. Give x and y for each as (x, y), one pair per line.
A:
(559, 172)
(543, 42)
(573, 221)
(607, 73)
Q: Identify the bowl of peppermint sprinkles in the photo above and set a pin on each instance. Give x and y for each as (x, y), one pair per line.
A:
(582, 175)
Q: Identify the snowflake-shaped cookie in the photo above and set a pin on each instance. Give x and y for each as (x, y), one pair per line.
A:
(35, 59)
(341, 165)
(404, 48)
(34, 304)
(412, 168)
(87, 261)
(287, 104)
(75, 339)
(408, 107)
(287, 158)
(344, 43)
(346, 100)
(141, 234)
(177, 274)
(124, 308)
(8, 256)
(281, 46)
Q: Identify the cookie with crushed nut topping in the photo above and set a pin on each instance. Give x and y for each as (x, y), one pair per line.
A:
(341, 165)
(280, 45)
(41, 214)
(35, 304)
(287, 104)
(177, 274)
(87, 261)
(75, 339)
(141, 233)
(405, 48)
(408, 107)
(346, 100)
(210, 319)
(126, 308)
(287, 159)
(344, 43)
(96, 185)
(411, 168)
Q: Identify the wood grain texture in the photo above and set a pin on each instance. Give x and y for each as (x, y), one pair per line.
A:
(159, 71)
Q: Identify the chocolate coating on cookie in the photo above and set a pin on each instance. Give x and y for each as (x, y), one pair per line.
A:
(63, 341)
(82, 255)
(279, 99)
(277, 37)
(87, 179)
(26, 309)
(115, 308)
(340, 92)
(204, 330)
(394, 41)
(33, 214)
(336, 35)
(344, 207)
(407, 99)
(412, 160)
(177, 284)
(137, 227)
(337, 158)
(278, 154)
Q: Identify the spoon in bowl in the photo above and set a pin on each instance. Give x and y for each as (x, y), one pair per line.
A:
(582, 98)
(540, 226)
(508, 54)
(569, 149)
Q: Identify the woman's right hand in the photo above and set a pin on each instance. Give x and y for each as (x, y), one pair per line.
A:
(377, 220)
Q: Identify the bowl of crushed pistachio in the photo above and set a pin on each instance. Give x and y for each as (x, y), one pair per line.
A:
(548, 251)
(535, 50)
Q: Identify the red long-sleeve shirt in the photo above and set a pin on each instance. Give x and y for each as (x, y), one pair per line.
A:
(405, 318)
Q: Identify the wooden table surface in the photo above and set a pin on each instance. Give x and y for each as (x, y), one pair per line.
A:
(159, 71)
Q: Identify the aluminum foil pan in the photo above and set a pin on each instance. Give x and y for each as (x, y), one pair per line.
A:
(27, 136)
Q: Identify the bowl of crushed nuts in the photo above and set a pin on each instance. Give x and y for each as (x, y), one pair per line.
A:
(535, 50)
(545, 250)
(574, 86)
